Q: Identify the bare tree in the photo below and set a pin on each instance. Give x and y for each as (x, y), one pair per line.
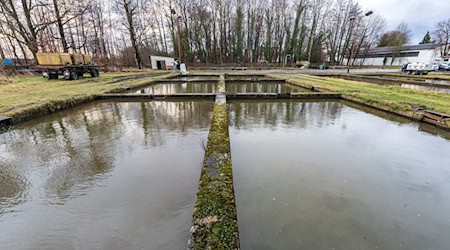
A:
(212, 31)
(442, 36)
(130, 9)
(26, 22)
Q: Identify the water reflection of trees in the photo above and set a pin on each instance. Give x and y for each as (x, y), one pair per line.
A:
(431, 129)
(254, 87)
(266, 87)
(175, 88)
(247, 114)
(274, 113)
(79, 147)
(423, 127)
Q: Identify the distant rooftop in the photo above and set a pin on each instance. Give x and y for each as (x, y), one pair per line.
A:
(405, 48)
(408, 50)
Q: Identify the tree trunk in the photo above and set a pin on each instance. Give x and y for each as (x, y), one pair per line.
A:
(60, 27)
(129, 11)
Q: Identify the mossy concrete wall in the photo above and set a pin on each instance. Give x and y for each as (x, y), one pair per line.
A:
(34, 111)
(214, 224)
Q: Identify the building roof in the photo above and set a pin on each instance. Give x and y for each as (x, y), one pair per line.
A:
(383, 50)
(166, 57)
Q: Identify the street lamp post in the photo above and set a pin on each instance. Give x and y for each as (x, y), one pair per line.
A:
(179, 39)
(178, 35)
(352, 20)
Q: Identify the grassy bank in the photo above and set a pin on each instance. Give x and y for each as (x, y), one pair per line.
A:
(389, 97)
(24, 93)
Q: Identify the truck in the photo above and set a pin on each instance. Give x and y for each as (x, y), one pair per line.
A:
(71, 66)
(417, 68)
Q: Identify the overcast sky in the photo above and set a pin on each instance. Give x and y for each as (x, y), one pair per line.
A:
(421, 15)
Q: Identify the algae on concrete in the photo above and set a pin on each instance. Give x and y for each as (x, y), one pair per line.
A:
(214, 224)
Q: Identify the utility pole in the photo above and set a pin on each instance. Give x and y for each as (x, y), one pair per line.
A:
(179, 39)
(178, 34)
(352, 21)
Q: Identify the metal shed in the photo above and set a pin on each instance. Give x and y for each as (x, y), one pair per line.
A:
(161, 62)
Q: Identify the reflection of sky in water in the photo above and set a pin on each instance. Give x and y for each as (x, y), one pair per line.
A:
(266, 87)
(100, 174)
(324, 175)
(177, 88)
(442, 82)
(426, 88)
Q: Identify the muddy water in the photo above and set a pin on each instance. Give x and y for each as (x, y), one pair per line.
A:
(326, 175)
(103, 176)
(263, 87)
(177, 88)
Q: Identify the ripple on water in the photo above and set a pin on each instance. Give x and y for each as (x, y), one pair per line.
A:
(12, 190)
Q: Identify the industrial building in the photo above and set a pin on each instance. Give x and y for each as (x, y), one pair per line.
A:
(386, 56)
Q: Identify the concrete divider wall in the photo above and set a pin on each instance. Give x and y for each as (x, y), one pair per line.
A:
(214, 224)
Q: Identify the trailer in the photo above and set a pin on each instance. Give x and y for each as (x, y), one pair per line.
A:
(71, 66)
(417, 68)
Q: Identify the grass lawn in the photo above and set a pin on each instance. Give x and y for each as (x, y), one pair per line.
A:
(22, 92)
(392, 97)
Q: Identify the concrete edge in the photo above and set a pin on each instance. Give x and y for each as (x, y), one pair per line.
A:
(140, 85)
(214, 224)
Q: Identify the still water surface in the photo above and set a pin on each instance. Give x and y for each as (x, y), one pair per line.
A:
(441, 82)
(103, 176)
(326, 175)
(427, 88)
(263, 87)
(178, 88)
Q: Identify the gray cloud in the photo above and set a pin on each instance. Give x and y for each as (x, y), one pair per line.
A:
(420, 15)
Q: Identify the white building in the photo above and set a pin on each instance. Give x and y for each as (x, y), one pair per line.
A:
(161, 62)
(386, 56)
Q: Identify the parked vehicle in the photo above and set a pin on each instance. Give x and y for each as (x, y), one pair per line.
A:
(417, 68)
(302, 64)
(444, 66)
(71, 66)
(435, 67)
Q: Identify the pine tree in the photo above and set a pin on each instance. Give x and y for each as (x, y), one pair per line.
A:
(426, 39)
